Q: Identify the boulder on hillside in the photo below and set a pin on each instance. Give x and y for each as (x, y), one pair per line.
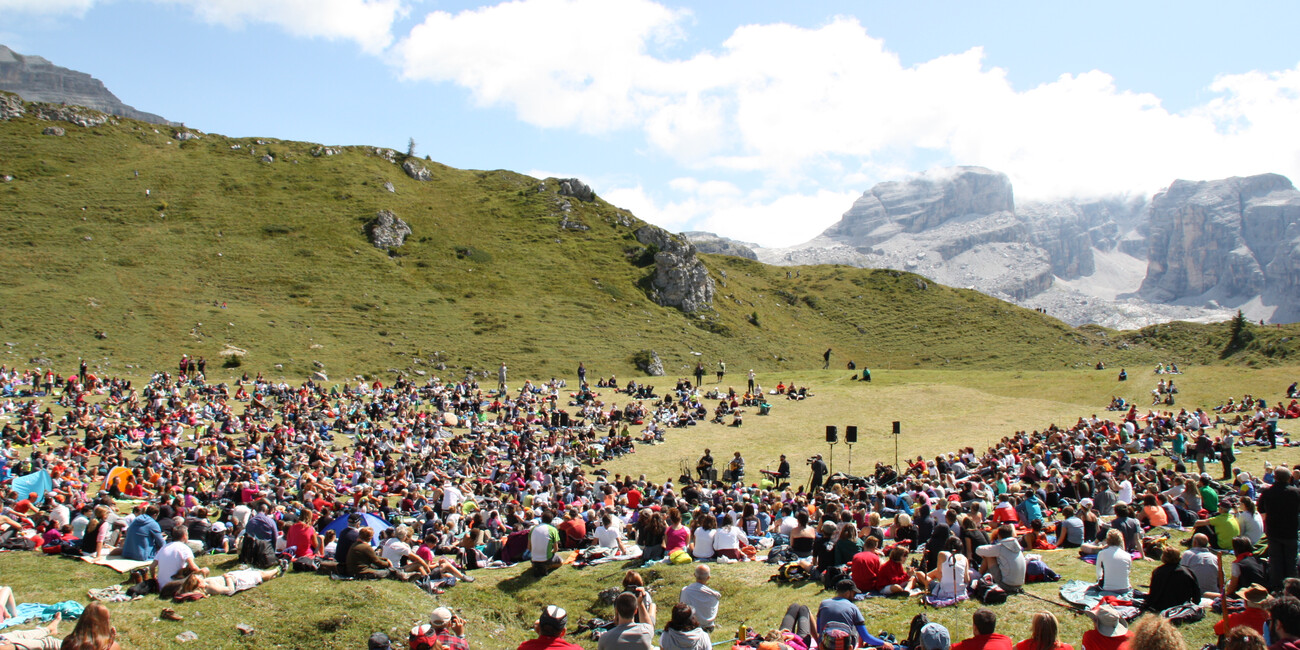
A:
(72, 114)
(386, 231)
(11, 106)
(388, 185)
(317, 152)
(680, 278)
(54, 130)
(185, 136)
(577, 189)
(417, 171)
(648, 361)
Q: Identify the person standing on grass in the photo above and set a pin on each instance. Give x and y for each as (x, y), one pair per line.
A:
(582, 375)
(826, 358)
(722, 370)
(1280, 507)
(501, 377)
(751, 381)
(699, 373)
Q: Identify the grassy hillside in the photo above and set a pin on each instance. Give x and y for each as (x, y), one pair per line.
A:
(89, 247)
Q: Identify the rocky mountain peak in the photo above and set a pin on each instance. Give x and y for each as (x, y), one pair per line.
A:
(923, 202)
(36, 79)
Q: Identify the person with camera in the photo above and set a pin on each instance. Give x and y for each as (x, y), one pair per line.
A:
(445, 630)
(627, 633)
(819, 471)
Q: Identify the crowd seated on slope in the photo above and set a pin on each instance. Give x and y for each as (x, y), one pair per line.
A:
(431, 481)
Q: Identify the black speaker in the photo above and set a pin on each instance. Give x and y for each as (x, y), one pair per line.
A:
(850, 434)
(897, 429)
(832, 434)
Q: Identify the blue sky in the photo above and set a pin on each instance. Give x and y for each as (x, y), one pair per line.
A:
(758, 120)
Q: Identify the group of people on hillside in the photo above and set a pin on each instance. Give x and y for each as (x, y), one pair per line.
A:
(430, 481)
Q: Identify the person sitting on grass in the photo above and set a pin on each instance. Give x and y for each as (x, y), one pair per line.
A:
(840, 616)
(1109, 631)
(1153, 632)
(94, 631)
(1043, 635)
(893, 577)
(683, 632)
(550, 628)
(627, 633)
(984, 623)
(1172, 584)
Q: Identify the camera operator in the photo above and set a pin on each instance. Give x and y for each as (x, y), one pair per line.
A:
(445, 628)
(819, 471)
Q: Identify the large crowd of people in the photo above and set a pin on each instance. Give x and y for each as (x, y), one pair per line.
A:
(430, 481)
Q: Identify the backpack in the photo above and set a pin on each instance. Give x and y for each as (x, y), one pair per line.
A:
(832, 576)
(989, 593)
(257, 553)
(838, 636)
(1179, 614)
(914, 630)
(423, 638)
(790, 572)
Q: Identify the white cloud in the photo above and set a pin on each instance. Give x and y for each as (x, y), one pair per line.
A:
(47, 7)
(782, 101)
(368, 23)
(759, 216)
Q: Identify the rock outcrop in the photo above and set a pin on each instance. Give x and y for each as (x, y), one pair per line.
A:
(35, 79)
(417, 171)
(648, 361)
(680, 279)
(54, 130)
(1225, 240)
(387, 231)
(577, 189)
(712, 244)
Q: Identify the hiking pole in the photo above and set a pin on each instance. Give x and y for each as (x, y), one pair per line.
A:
(1073, 610)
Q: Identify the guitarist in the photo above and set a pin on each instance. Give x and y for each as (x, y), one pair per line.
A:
(706, 463)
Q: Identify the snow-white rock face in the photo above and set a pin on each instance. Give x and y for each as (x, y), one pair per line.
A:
(962, 227)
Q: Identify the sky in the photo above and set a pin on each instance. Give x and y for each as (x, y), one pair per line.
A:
(759, 120)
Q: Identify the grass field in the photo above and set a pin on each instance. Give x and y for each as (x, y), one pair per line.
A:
(941, 410)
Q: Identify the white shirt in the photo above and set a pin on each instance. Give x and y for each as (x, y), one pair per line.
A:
(703, 543)
(1252, 526)
(451, 497)
(60, 515)
(1113, 563)
(788, 525)
(79, 526)
(704, 600)
(607, 537)
(952, 576)
(394, 551)
(1126, 491)
(171, 559)
(727, 537)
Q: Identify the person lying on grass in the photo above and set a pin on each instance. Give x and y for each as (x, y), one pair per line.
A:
(226, 584)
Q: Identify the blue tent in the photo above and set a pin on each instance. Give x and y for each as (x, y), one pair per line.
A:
(367, 519)
(38, 482)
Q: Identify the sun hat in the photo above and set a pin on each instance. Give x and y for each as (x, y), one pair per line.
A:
(1109, 622)
(935, 637)
(440, 617)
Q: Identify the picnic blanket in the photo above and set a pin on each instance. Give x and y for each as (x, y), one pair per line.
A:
(117, 564)
(1086, 594)
(70, 609)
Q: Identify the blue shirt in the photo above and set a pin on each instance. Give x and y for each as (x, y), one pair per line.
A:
(261, 526)
(143, 539)
(845, 611)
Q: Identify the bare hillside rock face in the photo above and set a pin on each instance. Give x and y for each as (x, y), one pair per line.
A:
(711, 244)
(923, 203)
(35, 79)
(386, 231)
(680, 278)
(577, 189)
(416, 171)
(1225, 239)
(11, 106)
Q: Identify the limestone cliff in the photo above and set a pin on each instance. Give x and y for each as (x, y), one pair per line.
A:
(35, 79)
(712, 244)
(1225, 240)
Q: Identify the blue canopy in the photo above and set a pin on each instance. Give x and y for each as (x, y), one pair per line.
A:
(38, 482)
(367, 519)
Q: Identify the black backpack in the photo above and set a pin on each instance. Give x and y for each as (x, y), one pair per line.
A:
(257, 552)
(832, 576)
(914, 630)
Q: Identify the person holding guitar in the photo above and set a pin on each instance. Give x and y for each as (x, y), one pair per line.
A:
(705, 466)
(735, 469)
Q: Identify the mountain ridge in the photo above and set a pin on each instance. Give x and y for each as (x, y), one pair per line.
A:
(36, 79)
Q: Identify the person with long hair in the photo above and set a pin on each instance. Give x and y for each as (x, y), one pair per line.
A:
(1043, 634)
(683, 632)
(94, 631)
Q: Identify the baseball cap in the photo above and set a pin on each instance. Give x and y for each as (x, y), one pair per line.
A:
(554, 616)
(846, 585)
(440, 617)
(935, 637)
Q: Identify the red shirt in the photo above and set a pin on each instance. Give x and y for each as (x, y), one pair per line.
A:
(1252, 617)
(891, 573)
(633, 498)
(984, 642)
(1028, 644)
(863, 568)
(1093, 640)
(548, 643)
